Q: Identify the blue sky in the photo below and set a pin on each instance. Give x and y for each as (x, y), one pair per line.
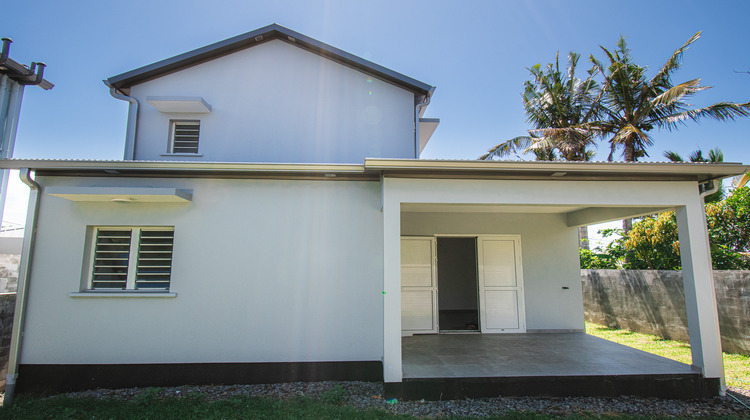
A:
(475, 52)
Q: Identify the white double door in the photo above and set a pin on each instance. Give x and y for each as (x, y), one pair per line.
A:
(501, 302)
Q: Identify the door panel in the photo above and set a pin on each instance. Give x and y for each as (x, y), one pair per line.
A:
(417, 314)
(416, 262)
(418, 286)
(501, 284)
(501, 307)
(499, 263)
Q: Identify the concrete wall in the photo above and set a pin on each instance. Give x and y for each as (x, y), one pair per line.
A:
(548, 249)
(264, 271)
(7, 307)
(279, 103)
(9, 272)
(653, 302)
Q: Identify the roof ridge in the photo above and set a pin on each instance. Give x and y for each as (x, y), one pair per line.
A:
(257, 37)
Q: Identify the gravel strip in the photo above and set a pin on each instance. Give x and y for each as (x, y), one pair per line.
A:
(370, 395)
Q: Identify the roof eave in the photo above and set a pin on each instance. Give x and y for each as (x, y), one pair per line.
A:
(258, 36)
(523, 170)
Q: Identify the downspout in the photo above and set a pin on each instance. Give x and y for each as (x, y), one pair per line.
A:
(24, 270)
(714, 187)
(417, 109)
(132, 120)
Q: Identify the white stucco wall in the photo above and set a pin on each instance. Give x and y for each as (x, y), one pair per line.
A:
(264, 271)
(550, 259)
(279, 103)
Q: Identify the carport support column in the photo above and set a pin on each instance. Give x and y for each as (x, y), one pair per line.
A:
(391, 288)
(700, 297)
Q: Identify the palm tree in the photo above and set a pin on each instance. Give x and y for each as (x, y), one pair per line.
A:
(633, 105)
(715, 155)
(557, 103)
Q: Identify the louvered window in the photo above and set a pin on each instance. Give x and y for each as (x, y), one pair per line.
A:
(132, 259)
(185, 136)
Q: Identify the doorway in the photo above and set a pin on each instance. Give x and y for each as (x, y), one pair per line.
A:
(495, 287)
(458, 285)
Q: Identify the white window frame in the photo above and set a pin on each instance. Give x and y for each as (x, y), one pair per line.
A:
(133, 259)
(173, 132)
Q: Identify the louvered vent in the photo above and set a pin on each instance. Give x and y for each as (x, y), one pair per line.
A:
(185, 136)
(111, 259)
(154, 259)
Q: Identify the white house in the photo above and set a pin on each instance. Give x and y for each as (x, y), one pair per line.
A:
(272, 221)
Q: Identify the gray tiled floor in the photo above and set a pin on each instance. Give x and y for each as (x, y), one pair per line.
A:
(482, 355)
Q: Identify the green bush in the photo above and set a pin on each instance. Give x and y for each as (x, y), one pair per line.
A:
(653, 242)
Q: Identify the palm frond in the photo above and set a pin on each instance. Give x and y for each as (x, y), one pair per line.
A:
(678, 92)
(673, 63)
(507, 148)
(715, 155)
(673, 156)
(722, 111)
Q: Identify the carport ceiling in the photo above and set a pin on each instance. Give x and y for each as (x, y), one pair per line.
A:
(484, 208)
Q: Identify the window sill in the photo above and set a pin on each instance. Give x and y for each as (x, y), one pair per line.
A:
(183, 154)
(123, 294)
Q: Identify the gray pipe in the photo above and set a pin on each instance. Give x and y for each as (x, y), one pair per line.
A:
(24, 271)
(416, 124)
(132, 120)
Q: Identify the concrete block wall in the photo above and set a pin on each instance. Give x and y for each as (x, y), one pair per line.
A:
(653, 302)
(9, 272)
(7, 307)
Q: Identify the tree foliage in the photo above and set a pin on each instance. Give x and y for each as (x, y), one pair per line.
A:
(567, 113)
(557, 104)
(653, 242)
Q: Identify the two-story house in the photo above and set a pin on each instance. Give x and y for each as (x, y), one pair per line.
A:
(271, 221)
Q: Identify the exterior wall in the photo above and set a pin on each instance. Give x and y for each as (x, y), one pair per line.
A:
(264, 271)
(548, 250)
(279, 103)
(653, 302)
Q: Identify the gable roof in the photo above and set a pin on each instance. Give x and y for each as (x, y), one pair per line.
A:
(259, 36)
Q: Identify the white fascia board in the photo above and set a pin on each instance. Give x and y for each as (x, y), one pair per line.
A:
(178, 166)
(564, 170)
(179, 104)
(427, 126)
(122, 194)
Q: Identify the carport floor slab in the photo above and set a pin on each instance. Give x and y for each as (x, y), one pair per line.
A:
(527, 355)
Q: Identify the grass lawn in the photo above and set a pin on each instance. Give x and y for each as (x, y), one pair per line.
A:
(191, 407)
(736, 366)
(196, 407)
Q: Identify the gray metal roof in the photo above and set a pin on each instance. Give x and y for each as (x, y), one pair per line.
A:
(259, 36)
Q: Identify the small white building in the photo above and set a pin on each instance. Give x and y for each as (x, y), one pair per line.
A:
(272, 221)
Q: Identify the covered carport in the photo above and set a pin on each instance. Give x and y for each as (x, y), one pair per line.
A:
(543, 203)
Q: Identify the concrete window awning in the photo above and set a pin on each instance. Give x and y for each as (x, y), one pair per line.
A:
(122, 194)
(180, 104)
